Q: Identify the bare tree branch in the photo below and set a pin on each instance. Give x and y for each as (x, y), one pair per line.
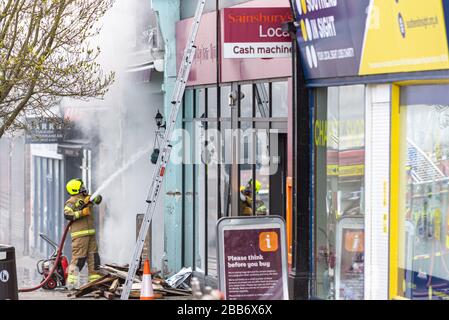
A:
(45, 56)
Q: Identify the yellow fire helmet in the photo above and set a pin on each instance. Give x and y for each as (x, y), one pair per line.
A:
(258, 186)
(250, 184)
(75, 186)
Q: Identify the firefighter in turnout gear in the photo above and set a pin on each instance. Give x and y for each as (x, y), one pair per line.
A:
(78, 209)
(246, 199)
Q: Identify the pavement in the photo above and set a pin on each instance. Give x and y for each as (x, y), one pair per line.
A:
(27, 277)
(45, 295)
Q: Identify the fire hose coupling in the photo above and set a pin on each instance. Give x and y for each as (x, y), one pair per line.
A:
(97, 200)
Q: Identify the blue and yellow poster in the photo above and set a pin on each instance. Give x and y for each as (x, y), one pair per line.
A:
(340, 38)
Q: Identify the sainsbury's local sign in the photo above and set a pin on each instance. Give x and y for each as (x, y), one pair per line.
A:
(256, 33)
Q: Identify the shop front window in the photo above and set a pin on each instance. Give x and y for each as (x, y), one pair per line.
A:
(189, 183)
(424, 193)
(200, 180)
(339, 138)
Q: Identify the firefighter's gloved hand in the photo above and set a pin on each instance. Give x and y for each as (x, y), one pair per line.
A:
(79, 203)
(85, 212)
(88, 201)
(98, 199)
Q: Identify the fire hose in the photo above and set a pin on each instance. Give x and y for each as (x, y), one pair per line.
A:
(55, 265)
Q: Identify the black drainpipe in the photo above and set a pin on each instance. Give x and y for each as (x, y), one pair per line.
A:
(299, 275)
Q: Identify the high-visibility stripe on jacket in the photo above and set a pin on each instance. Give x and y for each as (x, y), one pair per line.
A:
(83, 233)
(83, 223)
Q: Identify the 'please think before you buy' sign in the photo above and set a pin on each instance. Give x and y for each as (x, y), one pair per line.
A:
(256, 33)
(252, 258)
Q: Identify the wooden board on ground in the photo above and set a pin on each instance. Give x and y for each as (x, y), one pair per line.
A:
(109, 295)
(93, 286)
(114, 285)
(118, 273)
(176, 292)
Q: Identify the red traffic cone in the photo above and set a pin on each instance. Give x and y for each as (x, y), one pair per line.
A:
(146, 292)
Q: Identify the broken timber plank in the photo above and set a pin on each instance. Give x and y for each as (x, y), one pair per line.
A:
(114, 285)
(116, 267)
(175, 292)
(99, 281)
(92, 286)
(134, 294)
(97, 294)
(109, 295)
(118, 273)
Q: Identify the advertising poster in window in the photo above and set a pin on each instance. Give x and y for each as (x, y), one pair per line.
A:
(253, 260)
(350, 277)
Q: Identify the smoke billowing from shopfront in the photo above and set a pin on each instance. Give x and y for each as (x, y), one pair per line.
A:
(124, 127)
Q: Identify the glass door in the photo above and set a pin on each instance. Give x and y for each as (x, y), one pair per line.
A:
(423, 200)
(339, 234)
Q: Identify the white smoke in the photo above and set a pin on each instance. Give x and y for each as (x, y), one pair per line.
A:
(126, 128)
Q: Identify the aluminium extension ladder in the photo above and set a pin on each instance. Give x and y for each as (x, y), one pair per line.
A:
(158, 175)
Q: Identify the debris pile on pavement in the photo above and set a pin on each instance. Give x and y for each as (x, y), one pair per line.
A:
(181, 279)
(185, 278)
(113, 277)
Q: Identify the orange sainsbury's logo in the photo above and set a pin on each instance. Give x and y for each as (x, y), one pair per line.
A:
(259, 18)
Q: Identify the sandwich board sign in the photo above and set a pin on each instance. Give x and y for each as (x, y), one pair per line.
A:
(252, 258)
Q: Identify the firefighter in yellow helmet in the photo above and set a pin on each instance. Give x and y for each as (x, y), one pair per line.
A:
(78, 209)
(246, 199)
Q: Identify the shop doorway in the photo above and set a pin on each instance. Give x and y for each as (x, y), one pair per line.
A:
(48, 202)
(234, 134)
(271, 193)
(258, 151)
(421, 175)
